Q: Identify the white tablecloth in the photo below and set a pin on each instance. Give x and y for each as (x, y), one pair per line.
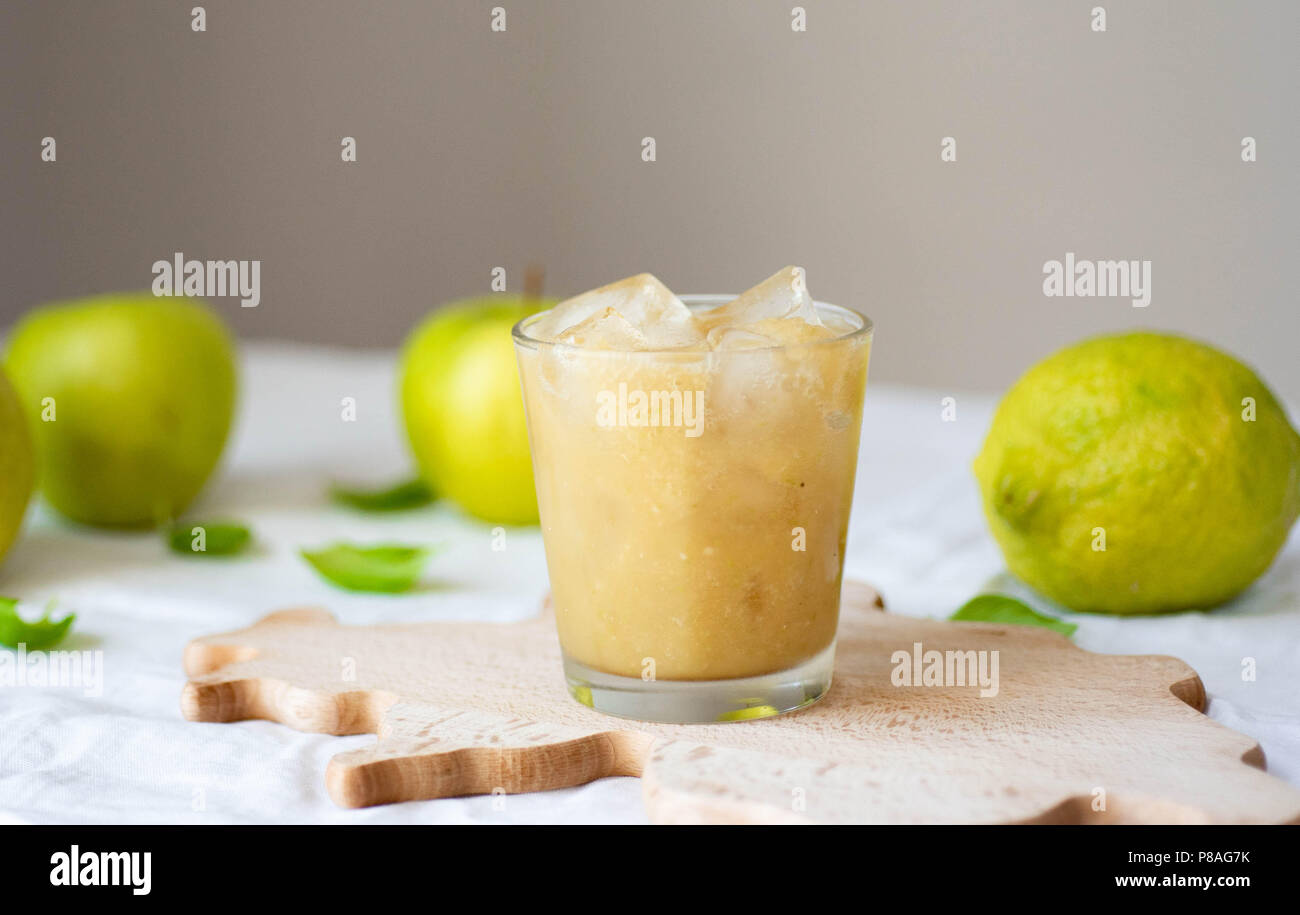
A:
(128, 756)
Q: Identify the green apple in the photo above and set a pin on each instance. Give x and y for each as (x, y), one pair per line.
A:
(464, 411)
(130, 399)
(17, 465)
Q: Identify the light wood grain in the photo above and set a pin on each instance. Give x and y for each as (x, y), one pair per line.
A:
(471, 708)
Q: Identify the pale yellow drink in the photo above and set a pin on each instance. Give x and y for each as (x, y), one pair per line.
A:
(694, 498)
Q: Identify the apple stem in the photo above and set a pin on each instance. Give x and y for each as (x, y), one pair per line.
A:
(534, 274)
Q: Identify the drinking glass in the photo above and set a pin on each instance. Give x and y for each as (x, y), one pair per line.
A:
(694, 506)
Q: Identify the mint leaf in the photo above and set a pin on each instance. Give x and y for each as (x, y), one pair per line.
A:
(387, 568)
(399, 496)
(216, 539)
(998, 608)
(37, 636)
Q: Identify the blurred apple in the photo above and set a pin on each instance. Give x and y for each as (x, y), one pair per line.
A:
(464, 411)
(130, 399)
(17, 465)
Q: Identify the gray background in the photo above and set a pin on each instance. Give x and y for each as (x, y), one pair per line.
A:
(479, 149)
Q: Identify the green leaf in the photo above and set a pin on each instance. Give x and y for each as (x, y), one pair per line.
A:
(998, 608)
(200, 539)
(37, 636)
(398, 497)
(387, 568)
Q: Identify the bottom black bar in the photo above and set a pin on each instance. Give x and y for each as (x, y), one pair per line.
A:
(289, 864)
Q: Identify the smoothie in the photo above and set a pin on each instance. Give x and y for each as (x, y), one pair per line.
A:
(695, 463)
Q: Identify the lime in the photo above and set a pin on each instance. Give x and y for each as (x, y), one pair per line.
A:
(1140, 473)
(130, 398)
(464, 411)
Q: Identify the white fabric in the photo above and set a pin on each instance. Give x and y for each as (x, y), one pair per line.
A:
(128, 756)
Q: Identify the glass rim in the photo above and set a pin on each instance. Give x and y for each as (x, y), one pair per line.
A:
(698, 300)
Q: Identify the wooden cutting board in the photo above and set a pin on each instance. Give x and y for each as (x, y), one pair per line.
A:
(473, 708)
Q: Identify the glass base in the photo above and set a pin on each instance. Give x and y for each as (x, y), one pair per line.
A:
(701, 701)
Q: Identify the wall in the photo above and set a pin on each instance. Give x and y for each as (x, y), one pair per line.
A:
(479, 149)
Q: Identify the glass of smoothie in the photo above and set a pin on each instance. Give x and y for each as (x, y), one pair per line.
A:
(694, 460)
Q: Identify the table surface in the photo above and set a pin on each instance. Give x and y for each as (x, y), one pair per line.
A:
(127, 756)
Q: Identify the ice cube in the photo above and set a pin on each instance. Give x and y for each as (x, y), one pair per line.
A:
(840, 325)
(606, 330)
(642, 301)
(768, 332)
(782, 295)
(727, 337)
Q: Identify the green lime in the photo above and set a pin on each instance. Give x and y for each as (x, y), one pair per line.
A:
(1140, 473)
